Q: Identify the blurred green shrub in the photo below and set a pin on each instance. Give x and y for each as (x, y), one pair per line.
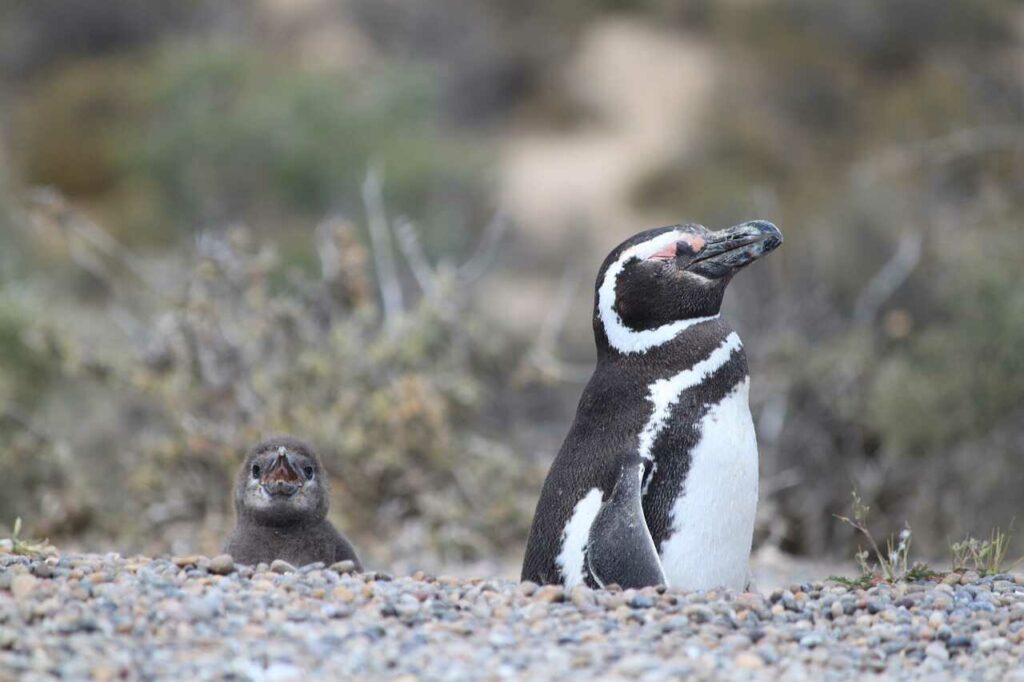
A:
(191, 135)
(24, 370)
(242, 350)
(229, 127)
(30, 462)
(962, 375)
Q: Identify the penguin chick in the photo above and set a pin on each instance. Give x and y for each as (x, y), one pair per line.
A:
(281, 498)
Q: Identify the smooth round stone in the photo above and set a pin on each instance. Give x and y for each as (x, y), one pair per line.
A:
(23, 584)
(812, 640)
(960, 642)
(281, 566)
(346, 566)
(222, 564)
(748, 661)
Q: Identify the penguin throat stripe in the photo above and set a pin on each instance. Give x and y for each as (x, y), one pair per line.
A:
(664, 393)
(621, 337)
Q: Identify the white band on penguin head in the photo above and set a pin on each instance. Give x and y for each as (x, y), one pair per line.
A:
(621, 337)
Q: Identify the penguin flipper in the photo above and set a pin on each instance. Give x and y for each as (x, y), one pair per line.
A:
(620, 548)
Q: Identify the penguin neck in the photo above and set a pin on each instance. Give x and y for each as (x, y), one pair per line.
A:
(277, 524)
(687, 347)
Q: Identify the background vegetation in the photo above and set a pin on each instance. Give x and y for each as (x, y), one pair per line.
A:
(203, 239)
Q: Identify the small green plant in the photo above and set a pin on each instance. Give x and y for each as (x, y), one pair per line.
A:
(986, 557)
(920, 571)
(862, 582)
(878, 566)
(29, 548)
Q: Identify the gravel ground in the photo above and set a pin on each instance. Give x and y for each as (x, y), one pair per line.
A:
(107, 617)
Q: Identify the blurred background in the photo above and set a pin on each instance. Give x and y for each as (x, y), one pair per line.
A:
(376, 224)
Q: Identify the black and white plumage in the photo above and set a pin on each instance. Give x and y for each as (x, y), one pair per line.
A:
(281, 501)
(662, 427)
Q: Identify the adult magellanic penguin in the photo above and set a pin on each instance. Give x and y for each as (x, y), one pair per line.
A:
(656, 482)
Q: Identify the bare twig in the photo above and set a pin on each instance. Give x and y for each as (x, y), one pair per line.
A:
(380, 241)
(939, 150)
(859, 523)
(889, 278)
(327, 249)
(787, 478)
(477, 265)
(24, 422)
(542, 355)
(87, 260)
(412, 249)
(87, 239)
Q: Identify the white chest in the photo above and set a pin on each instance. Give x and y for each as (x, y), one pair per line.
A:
(713, 516)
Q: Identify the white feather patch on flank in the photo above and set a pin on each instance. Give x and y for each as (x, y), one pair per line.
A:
(621, 337)
(574, 538)
(664, 393)
(712, 518)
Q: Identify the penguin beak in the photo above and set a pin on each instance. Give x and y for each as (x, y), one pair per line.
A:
(733, 248)
(281, 478)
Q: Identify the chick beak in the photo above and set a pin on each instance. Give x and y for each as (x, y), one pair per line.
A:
(281, 478)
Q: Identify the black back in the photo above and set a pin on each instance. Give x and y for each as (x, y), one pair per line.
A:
(611, 414)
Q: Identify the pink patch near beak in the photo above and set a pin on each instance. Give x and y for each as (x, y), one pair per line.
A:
(694, 242)
(666, 253)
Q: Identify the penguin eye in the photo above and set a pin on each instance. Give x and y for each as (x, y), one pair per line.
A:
(308, 471)
(255, 470)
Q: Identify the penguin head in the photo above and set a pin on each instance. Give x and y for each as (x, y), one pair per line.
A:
(281, 482)
(658, 282)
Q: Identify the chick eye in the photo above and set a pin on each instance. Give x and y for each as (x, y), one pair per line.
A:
(255, 470)
(308, 471)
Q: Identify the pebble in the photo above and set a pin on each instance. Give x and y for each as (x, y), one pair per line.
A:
(959, 642)
(550, 594)
(42, 570)
(748, 661)
(812, 640)
(104, 617)
(222, 564)
(23, 584)
(582, 596)
(346, 566)
(699, 613)
(281, 566)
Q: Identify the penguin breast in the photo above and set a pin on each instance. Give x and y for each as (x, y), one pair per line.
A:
(712, 518)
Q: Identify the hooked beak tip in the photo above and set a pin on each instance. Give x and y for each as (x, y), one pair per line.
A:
(763, 229)
(733, 248)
